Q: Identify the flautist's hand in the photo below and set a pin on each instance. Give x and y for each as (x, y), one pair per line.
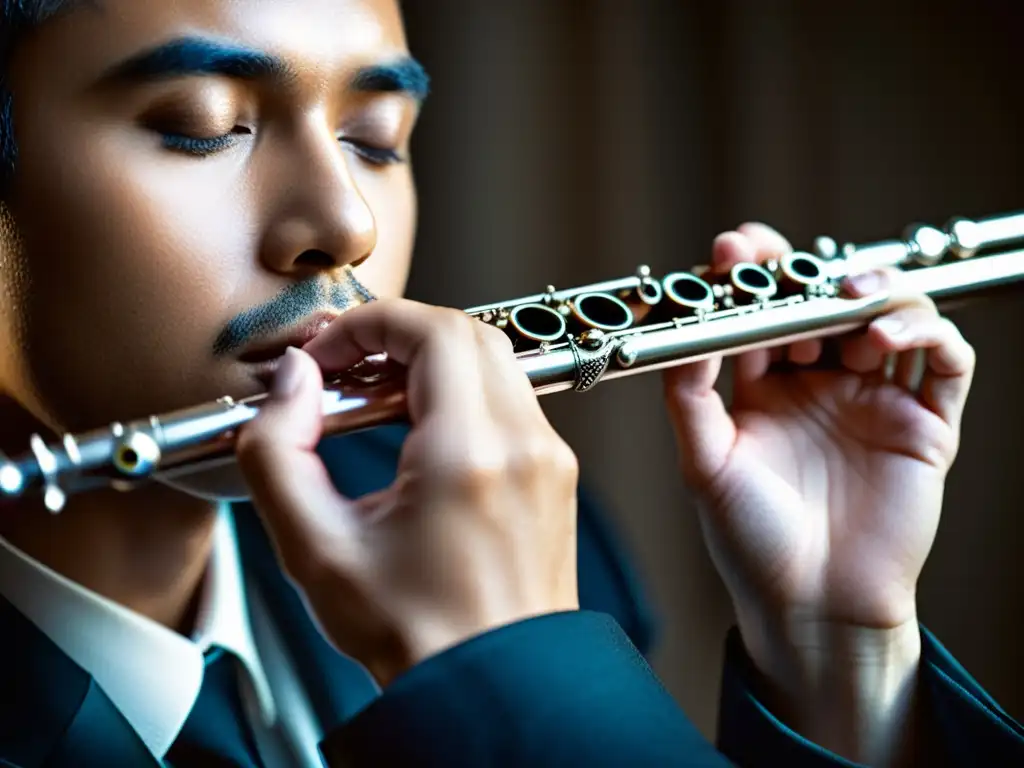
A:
(479, 528)
(821, 492)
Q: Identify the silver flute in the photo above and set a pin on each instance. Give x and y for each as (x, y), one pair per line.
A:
(569, 340)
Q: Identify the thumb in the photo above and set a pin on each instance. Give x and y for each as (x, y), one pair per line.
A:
(705, 432)
(291, 488)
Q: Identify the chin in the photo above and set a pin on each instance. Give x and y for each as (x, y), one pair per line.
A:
(222, 484)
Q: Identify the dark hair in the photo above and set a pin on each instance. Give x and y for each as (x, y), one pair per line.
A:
(17, 19)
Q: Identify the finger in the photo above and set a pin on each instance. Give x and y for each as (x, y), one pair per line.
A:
(767, 241)
(705, 433)
(730, 249)
(438, 346)
(891, 280)
(947, 377)
(861, 353)
(510, 393)
(867, 283)
(696, 379)
(805, 352)
(276, 451)
(397, 326)
(752, 366)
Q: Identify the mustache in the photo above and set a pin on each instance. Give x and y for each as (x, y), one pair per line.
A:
(291, 305)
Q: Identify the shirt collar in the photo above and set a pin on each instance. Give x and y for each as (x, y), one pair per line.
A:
(151, 673)
(222, 618)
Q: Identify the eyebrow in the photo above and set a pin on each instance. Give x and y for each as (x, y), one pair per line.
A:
(198, 56)
(405, 76)
(192, 56)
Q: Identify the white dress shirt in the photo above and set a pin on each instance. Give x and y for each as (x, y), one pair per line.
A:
(153, 674)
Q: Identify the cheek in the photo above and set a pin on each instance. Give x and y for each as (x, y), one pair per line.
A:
(128, 285)
(392, 198)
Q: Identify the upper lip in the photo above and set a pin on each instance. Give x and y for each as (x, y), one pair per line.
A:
(297, 335)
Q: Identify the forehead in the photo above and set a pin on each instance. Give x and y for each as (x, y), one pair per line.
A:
(317, 37)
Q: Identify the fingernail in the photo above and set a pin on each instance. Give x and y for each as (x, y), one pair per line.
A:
(288, 375)
(891, 327)
(866, 283)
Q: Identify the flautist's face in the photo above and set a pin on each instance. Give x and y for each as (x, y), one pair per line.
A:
(194, 180)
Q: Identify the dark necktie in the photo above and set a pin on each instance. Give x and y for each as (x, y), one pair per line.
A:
(216, 733)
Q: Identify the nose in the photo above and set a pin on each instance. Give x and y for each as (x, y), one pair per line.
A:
(320, 220)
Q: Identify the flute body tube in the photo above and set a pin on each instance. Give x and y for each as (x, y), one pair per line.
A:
(568, 340)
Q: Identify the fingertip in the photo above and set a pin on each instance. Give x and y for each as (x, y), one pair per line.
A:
(674, 379)
(806, 352)
(296, 373)
(865, 283)
(765, 238)
(729, 249)
(334, 348)
(292, 414)
(890, 333)
(691, 378)
(753, 365)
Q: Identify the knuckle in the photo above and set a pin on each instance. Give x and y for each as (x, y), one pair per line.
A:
(493, 337)
(927, 305)
(951, 329)
(451, 325)
(544, 455)
(382, 310)
(480, 470)
(566, 462)
(970, 356)
(454, 319)
(476, 473)
(947, 447)
(964, 348)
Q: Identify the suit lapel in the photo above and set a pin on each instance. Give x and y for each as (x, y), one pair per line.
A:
(51, 710)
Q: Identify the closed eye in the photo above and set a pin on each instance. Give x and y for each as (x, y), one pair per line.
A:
(202, 146)
(373, 154)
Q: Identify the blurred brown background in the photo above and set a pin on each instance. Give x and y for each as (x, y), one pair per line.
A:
(568, 141)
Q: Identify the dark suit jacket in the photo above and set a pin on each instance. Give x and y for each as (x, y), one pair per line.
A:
(563, 690)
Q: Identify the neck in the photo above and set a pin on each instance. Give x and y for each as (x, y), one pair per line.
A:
(146, 550)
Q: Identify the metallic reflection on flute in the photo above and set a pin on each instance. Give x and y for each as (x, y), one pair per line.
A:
(569, 339)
